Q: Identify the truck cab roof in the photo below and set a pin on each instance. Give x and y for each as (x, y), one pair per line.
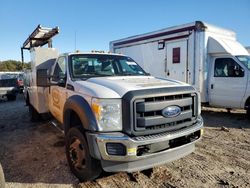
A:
(92, 52)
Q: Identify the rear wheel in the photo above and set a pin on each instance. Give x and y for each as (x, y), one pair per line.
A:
(83, 166)
(11, 97)
(34, 115)
(2, 180)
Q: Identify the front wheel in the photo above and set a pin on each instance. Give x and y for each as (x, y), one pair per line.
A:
(248, 113)
(83, 166)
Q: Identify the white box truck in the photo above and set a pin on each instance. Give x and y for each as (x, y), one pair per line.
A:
(202, 55)
(115, 117)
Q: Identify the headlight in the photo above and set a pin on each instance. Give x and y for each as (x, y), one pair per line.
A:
(108, 114)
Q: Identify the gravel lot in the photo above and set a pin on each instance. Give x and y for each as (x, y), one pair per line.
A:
(32, 155)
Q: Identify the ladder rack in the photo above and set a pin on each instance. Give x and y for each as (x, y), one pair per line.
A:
(39, 37)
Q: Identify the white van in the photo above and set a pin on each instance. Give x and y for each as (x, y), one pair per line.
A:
(205, 56)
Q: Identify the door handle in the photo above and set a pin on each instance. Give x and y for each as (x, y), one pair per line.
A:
(70, 87)
(168, 73)
(165, 65)
(212, 86)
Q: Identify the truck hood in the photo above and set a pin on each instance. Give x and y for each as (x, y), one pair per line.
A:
(107, 86)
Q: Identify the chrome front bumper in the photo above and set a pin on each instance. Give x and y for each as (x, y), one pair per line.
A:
(132, 143)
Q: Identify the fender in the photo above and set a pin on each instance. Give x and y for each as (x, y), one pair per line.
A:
(82, 108)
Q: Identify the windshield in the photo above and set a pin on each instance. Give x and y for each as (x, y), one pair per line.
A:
(245, 59)
(94, 65)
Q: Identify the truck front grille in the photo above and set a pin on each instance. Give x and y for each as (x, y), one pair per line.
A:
(142, 110)
(148, 113)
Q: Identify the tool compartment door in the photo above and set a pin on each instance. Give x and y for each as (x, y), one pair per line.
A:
(176, 60)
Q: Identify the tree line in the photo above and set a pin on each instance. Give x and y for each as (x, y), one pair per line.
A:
(13, 65)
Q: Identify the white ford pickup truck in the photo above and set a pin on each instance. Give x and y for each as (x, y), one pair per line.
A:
(114, 115)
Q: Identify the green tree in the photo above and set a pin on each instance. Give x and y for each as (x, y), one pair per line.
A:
(13, 65)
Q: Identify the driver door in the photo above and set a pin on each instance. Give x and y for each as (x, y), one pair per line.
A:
(58, 92)
(227, 83)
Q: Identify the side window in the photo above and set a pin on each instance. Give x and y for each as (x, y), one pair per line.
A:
(176, 55)
(227, 67)
(59, 69)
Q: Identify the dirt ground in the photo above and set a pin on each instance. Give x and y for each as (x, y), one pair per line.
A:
(32, 155)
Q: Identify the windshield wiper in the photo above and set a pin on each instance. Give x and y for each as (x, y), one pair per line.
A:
(90, 75)
(128, 74)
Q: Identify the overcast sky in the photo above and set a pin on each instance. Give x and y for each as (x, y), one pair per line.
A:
(96, 23)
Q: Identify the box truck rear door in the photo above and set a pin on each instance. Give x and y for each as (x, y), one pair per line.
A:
(176, 60)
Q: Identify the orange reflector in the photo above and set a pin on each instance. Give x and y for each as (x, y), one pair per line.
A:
(97, 110)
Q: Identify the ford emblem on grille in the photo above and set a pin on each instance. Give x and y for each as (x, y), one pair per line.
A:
(171, 111)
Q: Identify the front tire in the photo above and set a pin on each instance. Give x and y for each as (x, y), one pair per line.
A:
(83, 166)
(248, 113)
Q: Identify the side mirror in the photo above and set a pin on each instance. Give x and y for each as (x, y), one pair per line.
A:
(42, 78)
